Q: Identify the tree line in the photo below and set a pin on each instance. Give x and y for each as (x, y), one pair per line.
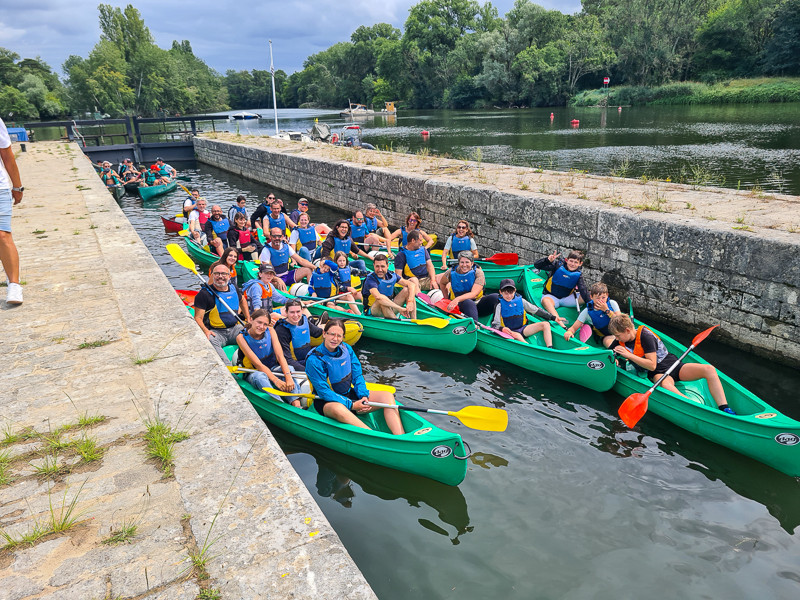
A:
(451, 54)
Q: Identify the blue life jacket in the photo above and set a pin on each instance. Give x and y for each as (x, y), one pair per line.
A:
(280, 222)
(385, 287)
(405, 236)
(279, 258)
(261, 348)
(600, 319)
(462, 283)
(220, 227)
(562, 281)
(344, 276)
(339, 370)
(341, 245)
(371, 223)
(220, 317)
(512, 314)
(301, 337)
(324, 284)
(459, 244)
(359, 232)
(416, 262)
(307, 237)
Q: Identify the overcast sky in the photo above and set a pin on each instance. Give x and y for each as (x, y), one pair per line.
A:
(225, 37)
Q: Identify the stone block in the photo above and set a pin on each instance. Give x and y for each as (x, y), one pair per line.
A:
(626, 230)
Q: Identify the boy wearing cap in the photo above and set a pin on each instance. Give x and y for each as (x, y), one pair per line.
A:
(511, 315)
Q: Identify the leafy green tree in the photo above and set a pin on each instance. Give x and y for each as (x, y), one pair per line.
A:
(14, 104)
(781, 54)
(9, 69)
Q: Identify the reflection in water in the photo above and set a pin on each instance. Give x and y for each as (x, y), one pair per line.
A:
(486, 460)
(340, 477)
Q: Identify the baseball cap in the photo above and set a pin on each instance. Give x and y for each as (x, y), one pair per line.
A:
(265, 266)
(508, 283)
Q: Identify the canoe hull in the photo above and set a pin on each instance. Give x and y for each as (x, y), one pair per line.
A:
(150, 192)
(171, 225)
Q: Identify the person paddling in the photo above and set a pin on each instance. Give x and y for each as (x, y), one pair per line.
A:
(259, 349)
(334, 372)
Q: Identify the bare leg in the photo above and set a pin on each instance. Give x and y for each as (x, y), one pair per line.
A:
(668, 384)
(517, 336)
(341, 413)
(391, 415)
(695, 371)
(549, 305)
(542, 326)
(9, 256)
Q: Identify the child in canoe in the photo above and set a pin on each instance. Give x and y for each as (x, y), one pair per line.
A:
(564, 279)
(323, 282)
(510, 315)
(643, 348)
(344, 275)
(598, 314)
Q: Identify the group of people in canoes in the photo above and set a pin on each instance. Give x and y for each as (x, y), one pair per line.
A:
(159, 173)
(280, 341)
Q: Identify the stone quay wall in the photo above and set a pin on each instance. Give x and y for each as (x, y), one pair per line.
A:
(677, 269)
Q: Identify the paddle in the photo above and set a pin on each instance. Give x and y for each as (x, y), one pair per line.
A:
(432, 321)
(321, 300)
(503, 258)
(586, 332)
(442, 305)
(484, 418)
(635, 405)
(373, 387)
(183, 260)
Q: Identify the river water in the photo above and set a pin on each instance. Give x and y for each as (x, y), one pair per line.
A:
(567, 503)
(735, 146)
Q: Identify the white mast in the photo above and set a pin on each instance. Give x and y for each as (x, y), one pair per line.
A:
(274, 102)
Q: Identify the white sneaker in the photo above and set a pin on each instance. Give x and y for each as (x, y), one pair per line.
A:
(14, 294)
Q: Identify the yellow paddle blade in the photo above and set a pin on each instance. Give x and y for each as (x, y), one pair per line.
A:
(183, 233)
(377, 387)
(181, 257)
(281, 393)
(485, 418)
(432, 321)
(179, 215)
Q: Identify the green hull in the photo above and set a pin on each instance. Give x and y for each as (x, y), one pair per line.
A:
(147, 193)
(757, 430)
(459, 336)
(423, 450)
(118, 191)
(245, 270)
(584, 365)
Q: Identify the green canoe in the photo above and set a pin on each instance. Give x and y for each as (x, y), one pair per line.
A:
(118, 191)
(458, 335)
(423, 450)
(757, 430)
(494, 273)
(150, 192)
(245, 270)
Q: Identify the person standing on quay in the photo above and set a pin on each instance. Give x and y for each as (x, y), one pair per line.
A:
(10, 194)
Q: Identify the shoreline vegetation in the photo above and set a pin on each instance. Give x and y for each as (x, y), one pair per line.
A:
(735, 91)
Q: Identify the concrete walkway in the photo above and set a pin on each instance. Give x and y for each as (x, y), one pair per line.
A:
(97, 309)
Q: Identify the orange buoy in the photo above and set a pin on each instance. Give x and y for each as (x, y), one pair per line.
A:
(334, 138)
(552, 116)
(619, 109)
(425, 133)
(575, 123)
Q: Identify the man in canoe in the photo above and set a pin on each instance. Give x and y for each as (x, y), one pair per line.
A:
(465, 283)
(281, 255)
(190, 203)
(361, 234)
(277, 219)
(302, 209)
(216, 230)
(564, 280)
(165, 170)
(264, 291)
(219, 322)
(334, 372)
(645, 350)
(380, 298)
(295, 333)
(414, 263)
(511, 315)
(598, 314)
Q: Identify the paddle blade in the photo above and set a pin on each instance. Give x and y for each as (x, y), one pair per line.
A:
(432, 321)
(585, 333)
(503, 258)
(703, 335)
(444, 303)
(484, 418)
(183, 233)
(633, 409)
(378, 387)
(181, 257)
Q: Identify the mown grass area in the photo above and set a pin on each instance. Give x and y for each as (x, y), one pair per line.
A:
(735, 91)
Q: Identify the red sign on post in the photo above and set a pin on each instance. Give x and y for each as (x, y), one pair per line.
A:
(606, 80)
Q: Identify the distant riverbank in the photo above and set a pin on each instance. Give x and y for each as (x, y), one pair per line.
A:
(736, 91)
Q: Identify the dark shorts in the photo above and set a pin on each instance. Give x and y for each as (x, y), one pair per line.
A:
(319, 404)
(669, 360)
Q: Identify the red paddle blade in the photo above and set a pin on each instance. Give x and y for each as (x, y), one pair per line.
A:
(503, 258)
(633, 409)
(703, 335)
(443, 305)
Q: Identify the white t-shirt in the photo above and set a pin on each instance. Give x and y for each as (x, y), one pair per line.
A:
(584, 316)
(5, 142)
(195, 215)
(266, 257)
(294, 238)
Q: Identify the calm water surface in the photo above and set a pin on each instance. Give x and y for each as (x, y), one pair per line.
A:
(736, 146)
(568, 503)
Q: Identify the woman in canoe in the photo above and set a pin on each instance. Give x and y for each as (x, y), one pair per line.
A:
(260, 349)
(340, 240)
(462, 239)
(413, 221)
(229, 258)
(304, 238)
(334, 371)
(243, 239)
(464, 283)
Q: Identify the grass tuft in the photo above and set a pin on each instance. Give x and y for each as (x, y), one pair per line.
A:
(94, 344)
(88, 449)
(124, 533)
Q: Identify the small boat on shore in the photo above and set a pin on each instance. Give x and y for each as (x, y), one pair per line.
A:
(152, 191)
(423, 450)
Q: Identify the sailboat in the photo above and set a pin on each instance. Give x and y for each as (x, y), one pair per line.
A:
(295, 136)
